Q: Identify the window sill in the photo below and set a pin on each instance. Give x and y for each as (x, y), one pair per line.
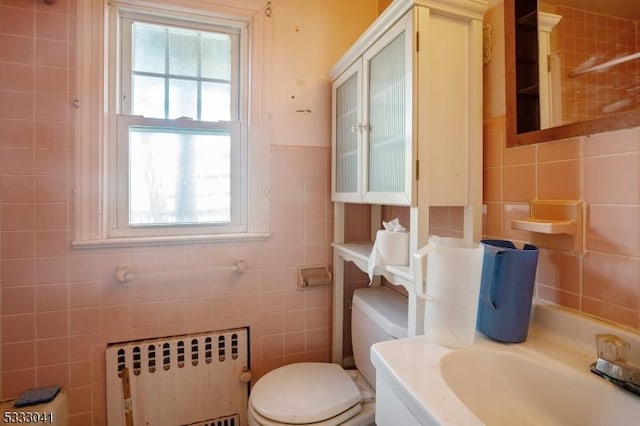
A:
(182, 239)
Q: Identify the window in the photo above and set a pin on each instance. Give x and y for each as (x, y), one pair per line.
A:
(177, 159)
(180, 129)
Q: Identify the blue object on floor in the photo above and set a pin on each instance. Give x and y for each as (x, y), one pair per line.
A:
(37, 396)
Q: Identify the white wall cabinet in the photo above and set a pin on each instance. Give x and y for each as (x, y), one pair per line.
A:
(407, 130)
(372, 142)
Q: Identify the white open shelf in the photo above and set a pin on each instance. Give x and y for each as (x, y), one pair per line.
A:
(359, 252)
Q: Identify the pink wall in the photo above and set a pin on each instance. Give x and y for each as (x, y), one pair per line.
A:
(602, 170)
(59, 306)
(581, 36)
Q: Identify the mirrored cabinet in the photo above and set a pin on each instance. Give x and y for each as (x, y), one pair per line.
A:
(581, 88)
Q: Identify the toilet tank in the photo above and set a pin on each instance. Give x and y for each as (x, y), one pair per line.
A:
(378, 314)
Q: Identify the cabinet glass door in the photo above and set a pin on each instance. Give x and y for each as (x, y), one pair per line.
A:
(388, 103)
(347, 134)
(386, 118)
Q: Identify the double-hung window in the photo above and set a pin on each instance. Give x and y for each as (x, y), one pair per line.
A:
(172, 145)
(180, 128)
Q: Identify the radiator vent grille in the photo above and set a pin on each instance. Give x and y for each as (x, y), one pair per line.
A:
(224, 421)
(179, 356)
(178, 380)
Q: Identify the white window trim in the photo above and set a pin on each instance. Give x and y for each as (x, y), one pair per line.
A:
(91, 185)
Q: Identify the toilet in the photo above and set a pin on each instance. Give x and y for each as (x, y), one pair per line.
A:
(314, 393)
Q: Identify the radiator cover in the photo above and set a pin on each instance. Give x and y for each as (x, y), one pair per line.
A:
(180, 380)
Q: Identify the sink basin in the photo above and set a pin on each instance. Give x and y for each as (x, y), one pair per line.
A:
(532, 391)
(544, 381)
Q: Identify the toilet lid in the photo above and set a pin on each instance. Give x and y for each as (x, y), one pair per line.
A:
(306, 392)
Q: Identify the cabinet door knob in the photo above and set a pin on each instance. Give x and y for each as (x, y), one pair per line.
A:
(359, 127)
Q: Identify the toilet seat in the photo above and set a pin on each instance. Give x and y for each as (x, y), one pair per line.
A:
(303, 393)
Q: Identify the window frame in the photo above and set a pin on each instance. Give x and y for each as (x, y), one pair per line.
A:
(98, 162)
(122, 118)
(238, 61)
(119, 203)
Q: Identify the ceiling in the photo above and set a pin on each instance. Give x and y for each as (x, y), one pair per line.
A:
(628, 9)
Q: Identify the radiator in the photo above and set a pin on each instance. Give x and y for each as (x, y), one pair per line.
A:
(200, 379)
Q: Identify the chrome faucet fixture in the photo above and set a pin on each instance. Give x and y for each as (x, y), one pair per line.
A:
(612, 363)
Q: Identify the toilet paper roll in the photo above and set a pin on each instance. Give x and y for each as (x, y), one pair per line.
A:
(319, 281)
(393, 247)
(314, 277)
(389, 248)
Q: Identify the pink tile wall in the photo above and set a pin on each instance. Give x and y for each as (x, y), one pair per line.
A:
(604, 171)
(582, 36)
(59, 307)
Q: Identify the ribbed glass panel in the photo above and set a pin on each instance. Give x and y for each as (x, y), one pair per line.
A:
(387, 118)
(346, 138)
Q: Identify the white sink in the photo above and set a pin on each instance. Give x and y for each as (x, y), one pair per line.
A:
(543, 381)
(508, 388)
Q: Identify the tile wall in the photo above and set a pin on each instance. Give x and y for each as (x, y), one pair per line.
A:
(59, 307)
(583, 37)
(602, 170)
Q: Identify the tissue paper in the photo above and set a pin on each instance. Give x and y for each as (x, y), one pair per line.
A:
(391, 247)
